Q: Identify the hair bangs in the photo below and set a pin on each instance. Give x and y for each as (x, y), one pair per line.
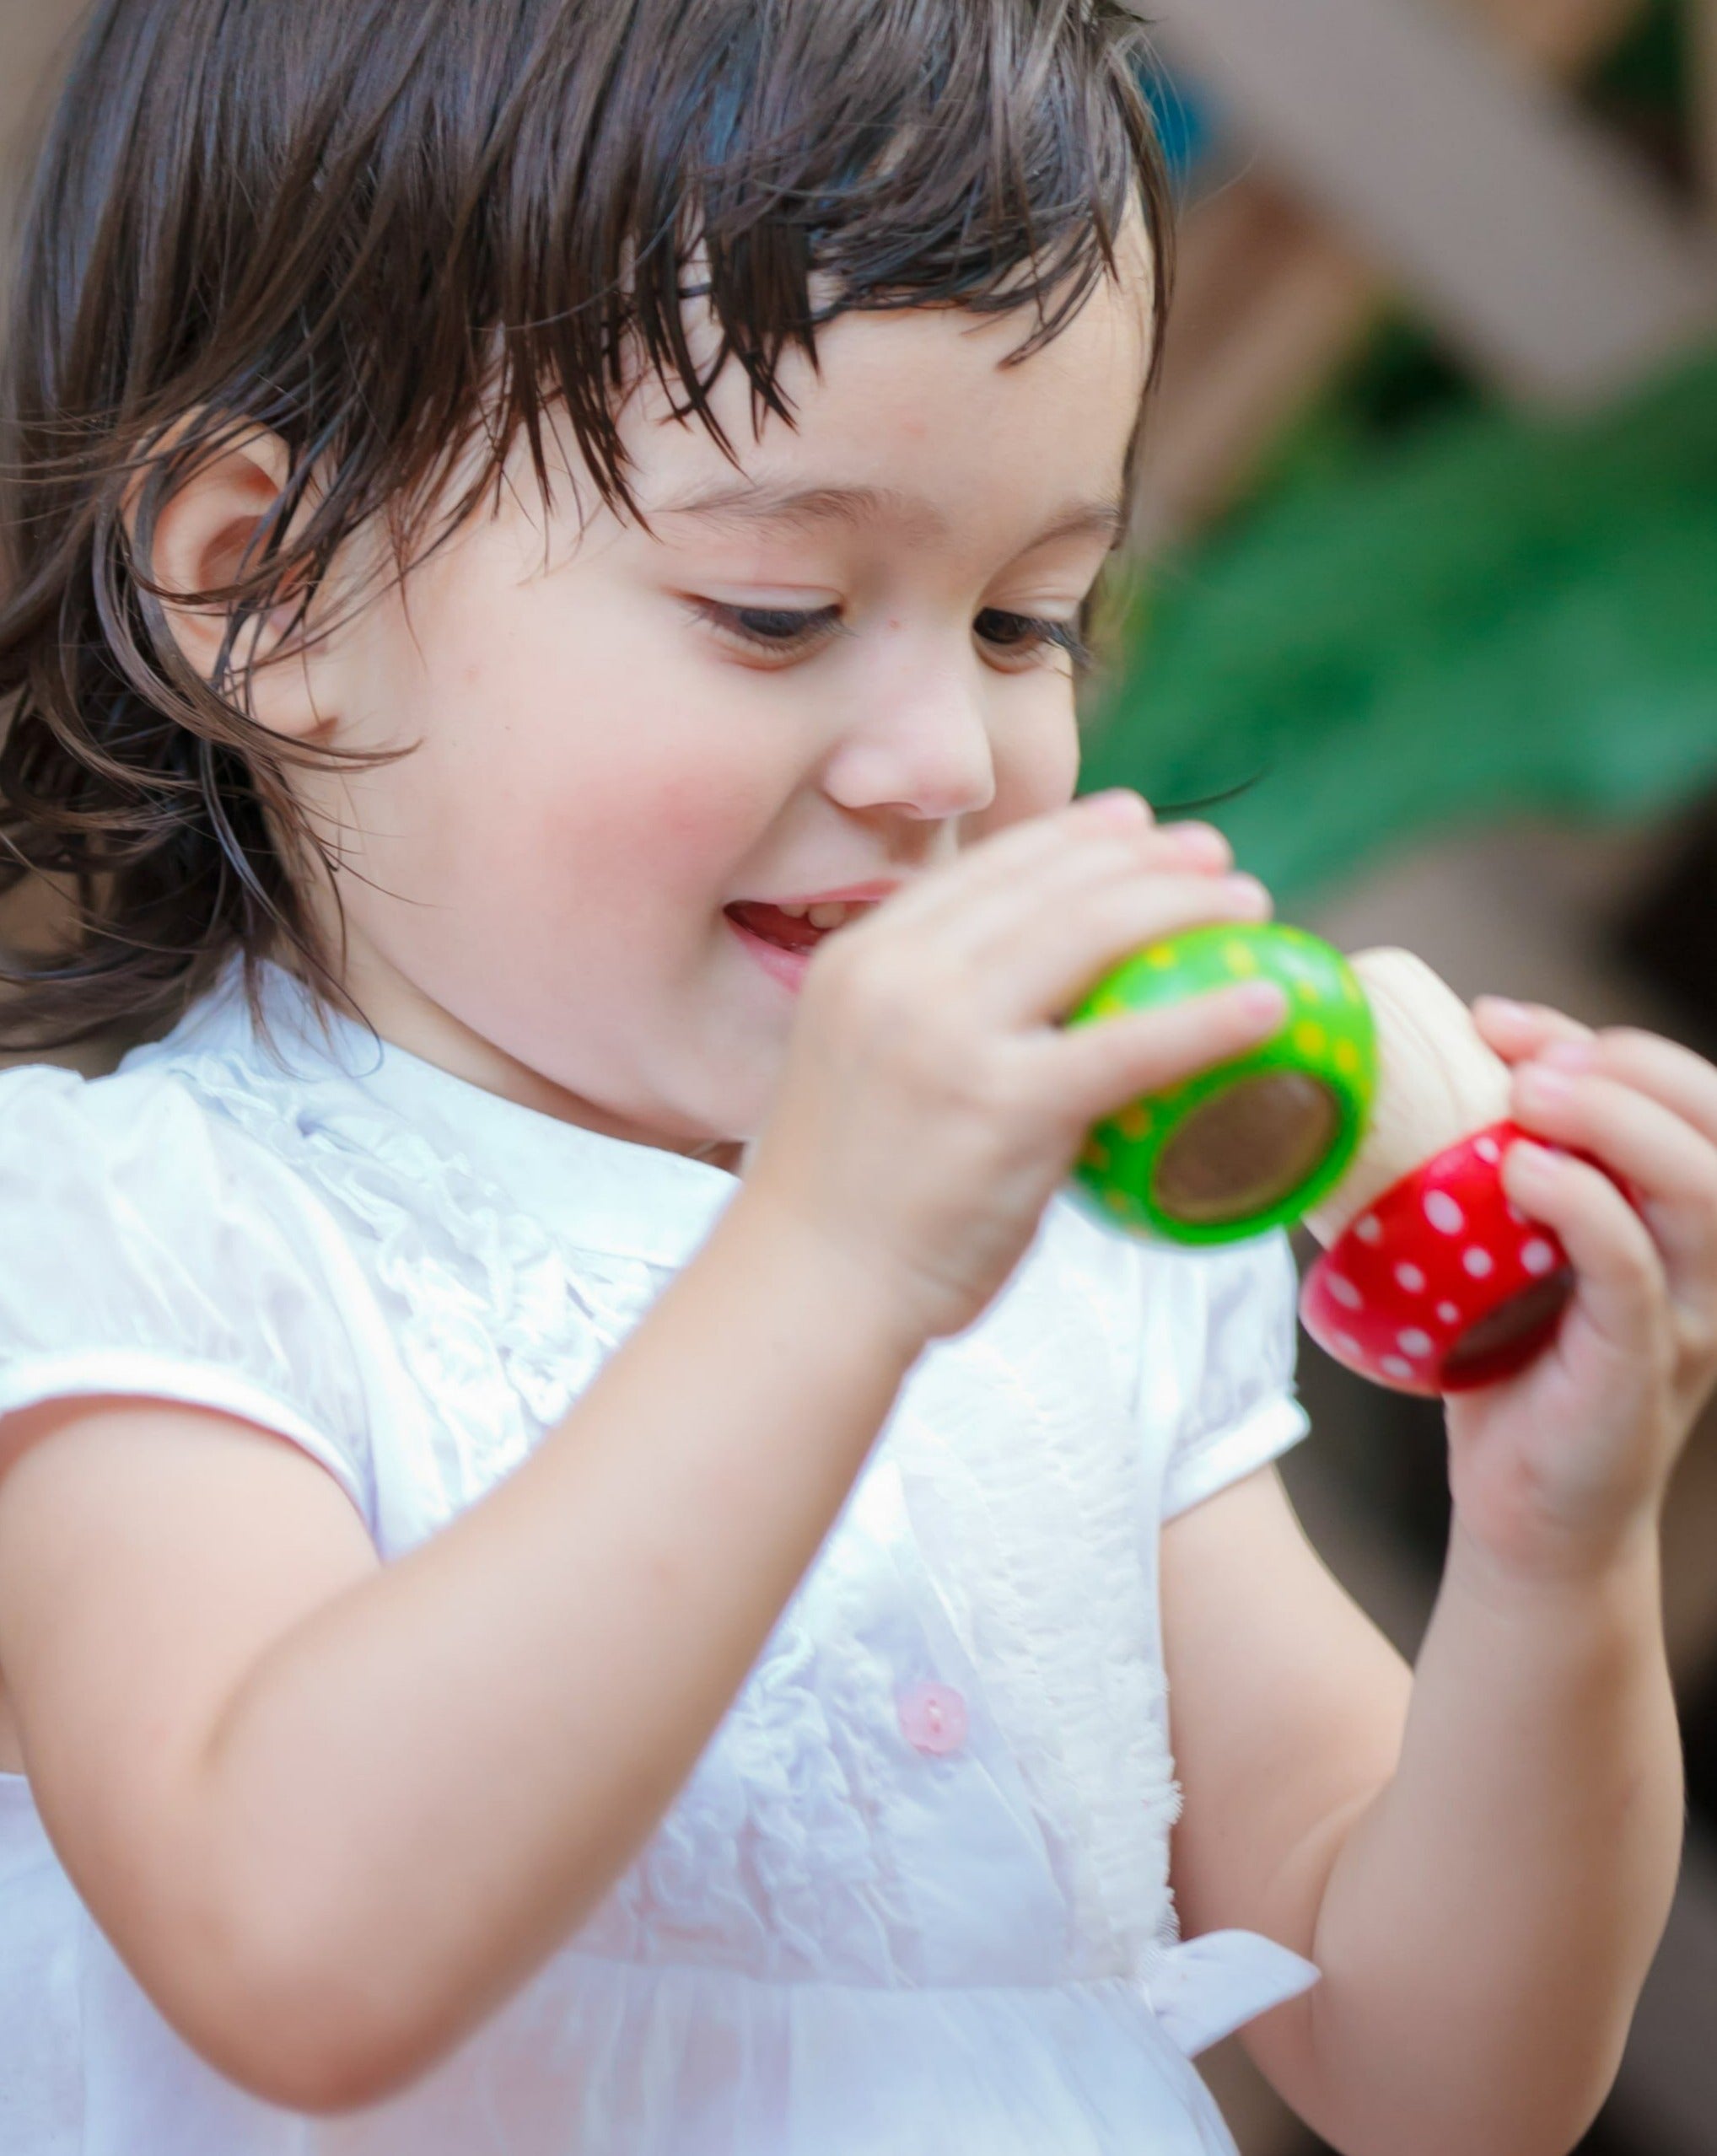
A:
(399, 240)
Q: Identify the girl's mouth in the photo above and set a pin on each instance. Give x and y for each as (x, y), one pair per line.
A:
(782, 939)
(794, 928)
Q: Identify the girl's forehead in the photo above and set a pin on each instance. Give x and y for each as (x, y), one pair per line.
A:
(918, 390)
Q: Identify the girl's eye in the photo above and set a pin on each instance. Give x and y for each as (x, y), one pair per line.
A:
(1023, 636)
(774, 631)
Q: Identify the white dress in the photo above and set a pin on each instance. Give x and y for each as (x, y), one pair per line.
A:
(913, 1901)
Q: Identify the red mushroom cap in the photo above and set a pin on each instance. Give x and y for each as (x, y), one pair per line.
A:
(1443, 1285)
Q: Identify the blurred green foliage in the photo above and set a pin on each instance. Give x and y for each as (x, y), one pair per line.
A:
(1489, 615)
(1431, 611)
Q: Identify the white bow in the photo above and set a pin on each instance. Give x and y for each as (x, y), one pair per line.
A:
(1201, 1990)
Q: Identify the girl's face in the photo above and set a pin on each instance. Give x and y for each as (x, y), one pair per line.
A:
(830, 669)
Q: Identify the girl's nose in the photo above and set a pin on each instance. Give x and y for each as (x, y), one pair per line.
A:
(927, 754)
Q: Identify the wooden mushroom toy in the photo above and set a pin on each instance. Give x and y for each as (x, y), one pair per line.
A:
(1431, 1281)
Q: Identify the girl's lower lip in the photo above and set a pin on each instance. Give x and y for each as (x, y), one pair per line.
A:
(789, 967)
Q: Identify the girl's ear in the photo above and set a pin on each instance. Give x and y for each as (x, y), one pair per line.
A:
(201, 533)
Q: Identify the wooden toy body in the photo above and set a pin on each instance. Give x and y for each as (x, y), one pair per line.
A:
(1379, 1115)
(1437, 1082)
(1432, 1281)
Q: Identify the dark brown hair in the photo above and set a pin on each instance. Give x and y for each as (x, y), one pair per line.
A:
(388, 233)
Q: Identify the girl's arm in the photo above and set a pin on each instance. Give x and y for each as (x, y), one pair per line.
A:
(1483, 1876)
(331, 1813)
(1484, 1906)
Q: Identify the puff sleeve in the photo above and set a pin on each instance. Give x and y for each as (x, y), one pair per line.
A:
(1220, 1363)
(147, 1247)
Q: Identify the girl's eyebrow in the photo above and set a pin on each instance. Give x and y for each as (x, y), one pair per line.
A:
(744, 503)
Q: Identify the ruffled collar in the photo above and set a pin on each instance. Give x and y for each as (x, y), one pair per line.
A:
(606, 1193)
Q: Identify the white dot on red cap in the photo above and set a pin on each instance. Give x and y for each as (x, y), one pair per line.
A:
(1393, 1366)
(1369, 1230)
(1411, 1278)
(1517, 1216)
(1415, 1342)
(1449, 1313)
(1537, 1257)
(1345, 1293)
(1443, 1213)
(1479, 1263)
(1488, 1149)
(1349, 1345)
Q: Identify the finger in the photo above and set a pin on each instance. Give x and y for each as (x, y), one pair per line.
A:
(1683, 1082)
(1085, 858)
(1672, 1168)
(1037, 963)
(1620, 1289)
(1517, 1030)
(1027, 935)
(1093, 1070)
(1024, 849)
(1202, 846)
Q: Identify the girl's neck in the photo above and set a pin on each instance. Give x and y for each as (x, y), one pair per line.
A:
(413, 1022)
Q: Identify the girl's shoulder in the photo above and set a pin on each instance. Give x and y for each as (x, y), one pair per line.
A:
(36, 1095)
(1222, 1300)
(145, 1141)
(150, 1246)
(1204, 1342)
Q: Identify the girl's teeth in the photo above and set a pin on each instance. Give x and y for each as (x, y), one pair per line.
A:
(827, 916)
(793, 912)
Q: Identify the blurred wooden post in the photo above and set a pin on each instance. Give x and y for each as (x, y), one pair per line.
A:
(1557, 36)
(1534, 243)
(1273, 297)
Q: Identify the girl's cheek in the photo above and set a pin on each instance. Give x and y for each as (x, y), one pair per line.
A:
(1037, 769)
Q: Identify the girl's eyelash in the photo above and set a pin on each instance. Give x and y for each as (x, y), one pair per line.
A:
(785, 631)
(781, 629)
(1029, 633)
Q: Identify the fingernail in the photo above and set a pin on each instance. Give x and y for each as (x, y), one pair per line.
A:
(1201, 841)
(1501, 1007)
(1249, 887)
(1571, 1055)
(1262, 999)
(1121, 804)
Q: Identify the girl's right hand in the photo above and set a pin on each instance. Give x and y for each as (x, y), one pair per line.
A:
(931, 1106)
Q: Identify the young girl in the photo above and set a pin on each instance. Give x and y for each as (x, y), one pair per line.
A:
(581, 1524)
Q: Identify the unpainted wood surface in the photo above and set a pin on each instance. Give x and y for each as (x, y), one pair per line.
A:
(1521, 229)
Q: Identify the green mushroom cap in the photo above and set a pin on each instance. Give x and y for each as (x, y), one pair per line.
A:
(1256, 1142)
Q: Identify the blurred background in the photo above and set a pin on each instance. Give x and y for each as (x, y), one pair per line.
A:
(1423, 598)
(1426, 582)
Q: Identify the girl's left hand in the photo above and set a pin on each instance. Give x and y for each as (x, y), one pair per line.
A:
(1554, 1470)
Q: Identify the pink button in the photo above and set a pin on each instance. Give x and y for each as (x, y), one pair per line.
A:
(933, 1717)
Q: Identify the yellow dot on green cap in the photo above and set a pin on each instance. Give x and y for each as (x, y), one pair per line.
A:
(1162, 957)
(1096, 1155)
(1239, 958)
(1134, 1122)
(1309, 1039)
(1346, 1059)
(1118, 1201)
